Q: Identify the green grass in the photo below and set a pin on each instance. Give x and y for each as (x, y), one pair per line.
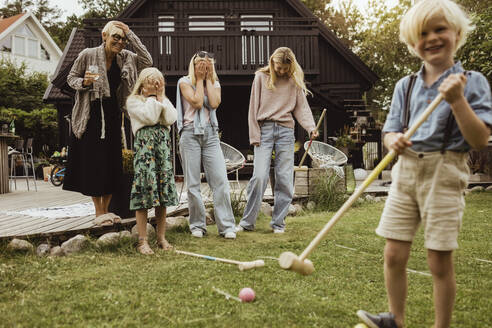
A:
(117, 287)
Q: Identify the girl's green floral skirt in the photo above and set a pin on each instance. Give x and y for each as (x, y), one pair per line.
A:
(153, 182)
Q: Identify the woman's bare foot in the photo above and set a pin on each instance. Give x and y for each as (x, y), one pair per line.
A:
(143, 247)
(163, 244)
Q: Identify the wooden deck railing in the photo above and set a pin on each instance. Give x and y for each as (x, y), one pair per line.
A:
(240, 46)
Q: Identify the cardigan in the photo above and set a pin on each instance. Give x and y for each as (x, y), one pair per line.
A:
(130, 64)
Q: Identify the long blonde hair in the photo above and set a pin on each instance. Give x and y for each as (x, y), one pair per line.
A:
(191, 68)
(285, 56)
(145, 74)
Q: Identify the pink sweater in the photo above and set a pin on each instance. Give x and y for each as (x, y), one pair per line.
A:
(277, 105)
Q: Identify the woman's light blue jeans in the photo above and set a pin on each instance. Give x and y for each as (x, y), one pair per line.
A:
(281, 139)
(197, 149)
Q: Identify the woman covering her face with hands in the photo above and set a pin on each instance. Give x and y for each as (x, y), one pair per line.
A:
(152, 114)
(102, 77)
(198, 96)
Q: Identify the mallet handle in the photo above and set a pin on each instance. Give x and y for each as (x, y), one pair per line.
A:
(378, 169)
(311, 138)
(211, 258)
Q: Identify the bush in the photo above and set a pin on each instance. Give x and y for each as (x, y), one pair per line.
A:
(238, 202)
(40, 124)
(326, 192)
(21, 89)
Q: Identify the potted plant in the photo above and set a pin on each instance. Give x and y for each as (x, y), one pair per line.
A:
(344, 142)
(120, 202)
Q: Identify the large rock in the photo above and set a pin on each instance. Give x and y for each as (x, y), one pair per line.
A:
(75, 244)
(110, 238)
(489, 188)
(178, 221)
(57, 251)
(150, 231)
(43, 250)
(125, 234)
(477, 189)
(19, 245)
(266, 209)
(294, 209)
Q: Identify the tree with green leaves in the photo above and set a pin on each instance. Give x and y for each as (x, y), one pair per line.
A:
(20, 89)
(104, 8)
(12, 8)
(45, 12)
(475, 53)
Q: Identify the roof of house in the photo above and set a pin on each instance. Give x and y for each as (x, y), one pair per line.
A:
(6, 22)
(75, 44)
(303, 11)
(9, 24)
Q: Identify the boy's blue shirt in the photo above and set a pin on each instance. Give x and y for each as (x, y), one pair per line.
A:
(430, 135)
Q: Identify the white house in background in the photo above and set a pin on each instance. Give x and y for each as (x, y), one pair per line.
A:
(24, 39)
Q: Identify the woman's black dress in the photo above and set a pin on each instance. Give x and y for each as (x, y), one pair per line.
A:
(95, 164)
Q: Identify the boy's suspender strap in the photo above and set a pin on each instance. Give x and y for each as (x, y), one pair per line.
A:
(406, 101)
(449, 128)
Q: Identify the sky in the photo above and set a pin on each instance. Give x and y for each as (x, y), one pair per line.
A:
(70, 7)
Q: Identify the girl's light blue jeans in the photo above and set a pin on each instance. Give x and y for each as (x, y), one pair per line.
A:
(195, 150)
(281, 139)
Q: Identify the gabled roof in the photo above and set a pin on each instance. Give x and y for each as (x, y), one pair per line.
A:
(75, 44)
(6, 22)
(303, 11)
(11, 23)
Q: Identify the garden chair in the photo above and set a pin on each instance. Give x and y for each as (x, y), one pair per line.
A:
(234, 161)
(324, 156)
(25, 156)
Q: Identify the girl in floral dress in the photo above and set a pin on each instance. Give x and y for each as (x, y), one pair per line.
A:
(151, 115)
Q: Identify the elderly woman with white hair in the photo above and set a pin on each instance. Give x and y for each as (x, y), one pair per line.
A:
(102, 77)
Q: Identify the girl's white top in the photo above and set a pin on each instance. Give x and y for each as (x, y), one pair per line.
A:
(148, 112)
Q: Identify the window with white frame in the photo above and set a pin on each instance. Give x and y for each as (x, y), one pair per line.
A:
(206, 23)
(166, 24)
(25, 43)
(256, 23)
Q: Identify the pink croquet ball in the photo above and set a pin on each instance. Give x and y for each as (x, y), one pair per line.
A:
(247, 294)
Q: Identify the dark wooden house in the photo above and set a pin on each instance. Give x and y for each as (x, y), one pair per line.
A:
(242, 34)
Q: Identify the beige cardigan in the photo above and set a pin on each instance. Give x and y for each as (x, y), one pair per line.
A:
(130, 64)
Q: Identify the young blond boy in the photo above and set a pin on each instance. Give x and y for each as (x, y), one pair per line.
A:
(431, 173)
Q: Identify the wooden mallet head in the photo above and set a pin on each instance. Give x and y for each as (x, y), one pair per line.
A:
(290, 261)
(250, 265)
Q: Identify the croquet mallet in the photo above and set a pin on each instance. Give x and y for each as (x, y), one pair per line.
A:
(311, 138)
(243, 266)
(301, 264)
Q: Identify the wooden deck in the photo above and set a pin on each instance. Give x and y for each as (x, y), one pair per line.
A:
(15, 224)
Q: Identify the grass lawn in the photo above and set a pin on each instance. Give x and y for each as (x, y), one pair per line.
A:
(117, 287)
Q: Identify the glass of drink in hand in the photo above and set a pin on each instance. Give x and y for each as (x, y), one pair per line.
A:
(93, 72)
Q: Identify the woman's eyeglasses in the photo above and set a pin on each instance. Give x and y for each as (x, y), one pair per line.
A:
(119, 38)
(203, 54)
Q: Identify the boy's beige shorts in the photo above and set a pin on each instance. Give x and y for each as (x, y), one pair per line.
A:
(426, 188)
